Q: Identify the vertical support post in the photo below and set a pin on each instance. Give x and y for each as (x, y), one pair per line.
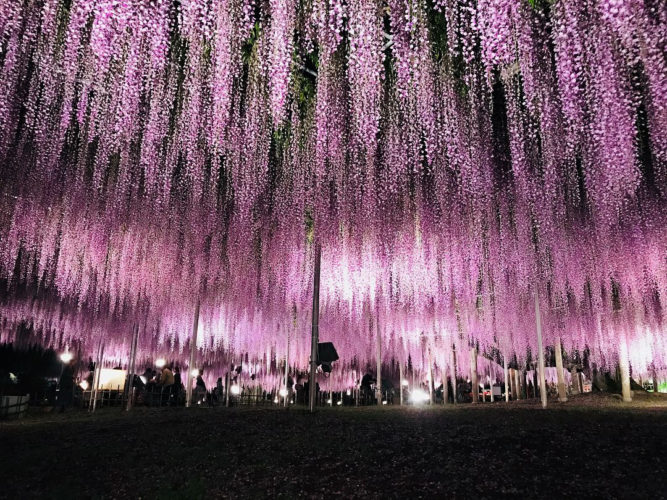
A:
(540, 350)
(228, 383)
(452, 374)
(314, 326)
(624, 360)
(430, 377)
(378, 356)
(491, 388)
(445, 389)
(505, 372)
(473, 374)
(131, 368)
(562, 392)
(400, 381)
(517, 383)
(286, 398)
(98, 372)
(193, 351)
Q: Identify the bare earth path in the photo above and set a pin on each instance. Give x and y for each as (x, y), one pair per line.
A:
(589, 447)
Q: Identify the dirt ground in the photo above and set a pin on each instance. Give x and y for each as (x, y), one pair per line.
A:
(594, 446)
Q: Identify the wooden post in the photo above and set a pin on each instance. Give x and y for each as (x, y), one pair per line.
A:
(540, 351)
(131, 368)
(473, 374)
(452, 374)
(314, 339)
(507, 389)
(624, 361)
(193, 351)
(562, 392)
(517, 382)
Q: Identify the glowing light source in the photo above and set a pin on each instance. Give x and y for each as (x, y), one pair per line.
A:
(194, 372)
(236, 390)
(160, 362)
(419, 396)
(283, 392)
(404, 383)
(66, 357)
(84, 385)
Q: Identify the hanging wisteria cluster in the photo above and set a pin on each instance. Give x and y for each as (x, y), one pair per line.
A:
(452, 157)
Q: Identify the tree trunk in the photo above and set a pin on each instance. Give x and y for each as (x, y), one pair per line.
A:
(314, 327)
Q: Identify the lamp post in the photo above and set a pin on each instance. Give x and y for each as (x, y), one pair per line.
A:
(65, 358)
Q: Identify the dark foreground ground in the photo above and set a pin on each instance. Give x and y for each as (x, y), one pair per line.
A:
(589, 447)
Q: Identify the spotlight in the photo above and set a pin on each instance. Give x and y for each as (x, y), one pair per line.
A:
(348, 392)
(236, 390)
(384, 402)
(418, 396)
(194, 372)
(160, 362)
(84, 385)
(283, 392)
(339, 403)
(66, 357)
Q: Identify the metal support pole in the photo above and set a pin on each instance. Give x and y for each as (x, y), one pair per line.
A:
(400, 381)
(227, 388)
(624, 360)
(540, 350)
(131, 368)
(507, 387)
(452, 374)
(286, 398)
(562, 391)
(193, 351)
(314, 326)
(445, 389)
(98, 372)
(378, 356)
(430, 378)
(473, 374)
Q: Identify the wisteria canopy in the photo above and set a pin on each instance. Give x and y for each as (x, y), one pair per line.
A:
(453, 158)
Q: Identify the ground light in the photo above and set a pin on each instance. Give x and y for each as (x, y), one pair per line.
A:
(236, 390)
(66, 357)
(84, 385)
(419, 396)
